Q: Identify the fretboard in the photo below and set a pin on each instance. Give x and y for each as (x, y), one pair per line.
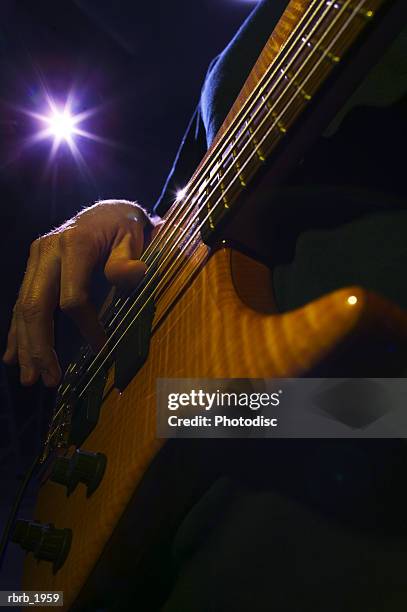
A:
(311, 38)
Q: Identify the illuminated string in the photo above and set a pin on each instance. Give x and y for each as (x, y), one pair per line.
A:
(197, 230)
(196, 216)
(181, 209)
(196, 233)
(214, 154)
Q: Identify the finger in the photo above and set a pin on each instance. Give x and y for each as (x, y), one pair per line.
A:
(78, 260)
(38, 308)
(123, 268)
(29, 373)
(10, 356)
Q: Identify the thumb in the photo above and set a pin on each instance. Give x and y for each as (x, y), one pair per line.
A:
(121, 268)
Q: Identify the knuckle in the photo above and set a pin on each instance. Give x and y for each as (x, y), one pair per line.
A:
(36, 355)
(29, 308)
(71, 237)
(66, 238)
(42, 246)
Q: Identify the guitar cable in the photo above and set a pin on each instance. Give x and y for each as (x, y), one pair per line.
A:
(15, 508)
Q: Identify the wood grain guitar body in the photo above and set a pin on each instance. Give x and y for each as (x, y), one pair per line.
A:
(224, 325)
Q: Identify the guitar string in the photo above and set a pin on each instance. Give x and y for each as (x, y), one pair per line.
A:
(56, 430)
(295, 95)
(179, 258)
(196, 216)
(235, 178)
(227, 136)
(203, 222)
(232, 167)
(180, 207)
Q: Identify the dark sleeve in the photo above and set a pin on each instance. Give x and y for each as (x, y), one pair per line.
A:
(191, 151)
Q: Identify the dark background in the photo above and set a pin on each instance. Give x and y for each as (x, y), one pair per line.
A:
(141, 66)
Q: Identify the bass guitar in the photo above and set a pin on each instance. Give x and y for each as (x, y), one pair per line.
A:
(111, 491)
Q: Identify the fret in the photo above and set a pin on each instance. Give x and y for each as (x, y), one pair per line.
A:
(228, 183)
(237, 165)
(290, 77)
(204, 203)
(261, 111)
(236, 152)
(258, 116)
(352, 8)
(209, 207)
(223, 189)
(256, 147)
(322, 50)
(278, 123)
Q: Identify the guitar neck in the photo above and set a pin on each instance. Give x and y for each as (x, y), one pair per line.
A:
(312, 39)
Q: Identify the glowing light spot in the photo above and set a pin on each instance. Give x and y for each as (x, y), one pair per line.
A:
(62, 125)
(352, 299)
(181, 193)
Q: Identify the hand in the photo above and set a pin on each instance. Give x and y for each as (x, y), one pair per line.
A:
(59, 270)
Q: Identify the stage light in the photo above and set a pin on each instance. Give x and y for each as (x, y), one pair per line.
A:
(62, 125)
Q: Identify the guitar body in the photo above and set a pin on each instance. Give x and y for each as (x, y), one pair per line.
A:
(224, 326)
